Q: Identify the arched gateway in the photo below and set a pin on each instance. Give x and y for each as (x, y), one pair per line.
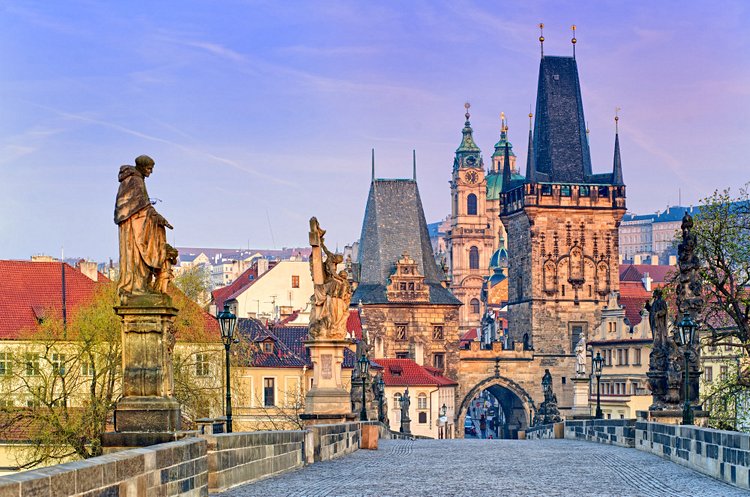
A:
(516, 407)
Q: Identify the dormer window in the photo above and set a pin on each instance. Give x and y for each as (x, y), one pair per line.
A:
(268, 347)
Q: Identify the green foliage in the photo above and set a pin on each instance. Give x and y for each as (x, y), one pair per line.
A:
(195, 283)
(723, 230)
(727, 400)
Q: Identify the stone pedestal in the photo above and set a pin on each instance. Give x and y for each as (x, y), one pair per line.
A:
(327, 399)
(581, 407)
(147, 411)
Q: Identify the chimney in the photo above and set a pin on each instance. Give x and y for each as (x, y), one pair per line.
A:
(647, 280)
(636, 259)
(654, 260)
(262, 266)
(88, 269)
(672, 260)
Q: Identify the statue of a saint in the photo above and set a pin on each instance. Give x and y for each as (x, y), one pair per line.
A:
(547, 385)
(145, 256)
(657, 318)
(331, 289)
(581, 356)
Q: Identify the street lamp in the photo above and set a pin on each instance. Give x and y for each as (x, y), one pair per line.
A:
(686, 331)
(444, 419)
(381, 395)
(444, 410)
(364, 366)
(227, 322)
(598, 362)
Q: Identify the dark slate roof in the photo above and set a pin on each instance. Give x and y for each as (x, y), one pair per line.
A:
(561, 149)
(394, 223)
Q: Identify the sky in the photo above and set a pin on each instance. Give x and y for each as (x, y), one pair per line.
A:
(260, 114)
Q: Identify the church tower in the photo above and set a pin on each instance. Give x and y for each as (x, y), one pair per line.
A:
(470, 240)
(562, 222)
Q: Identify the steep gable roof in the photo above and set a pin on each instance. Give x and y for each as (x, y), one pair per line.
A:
(406, 372)
(394, 223)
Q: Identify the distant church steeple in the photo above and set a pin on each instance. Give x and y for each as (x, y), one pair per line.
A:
(530, 166)
(468, 153)
(617, 179)
(498, 157)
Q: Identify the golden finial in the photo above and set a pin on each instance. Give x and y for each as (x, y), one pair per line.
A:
(467, 105)
(541, 36)
(502, 122)
(573, 27)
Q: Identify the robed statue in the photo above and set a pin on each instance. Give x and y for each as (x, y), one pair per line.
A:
(145, 257)
(581, 356)
(331, 289)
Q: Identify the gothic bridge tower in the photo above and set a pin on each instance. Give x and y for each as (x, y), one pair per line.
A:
(562, 222)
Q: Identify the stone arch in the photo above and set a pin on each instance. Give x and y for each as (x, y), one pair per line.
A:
(523, 397)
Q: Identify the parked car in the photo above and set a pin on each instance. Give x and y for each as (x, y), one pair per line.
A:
(469, 428)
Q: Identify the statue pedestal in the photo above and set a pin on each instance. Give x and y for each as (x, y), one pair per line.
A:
(405, 427)
(147, 411)
(581, 407)
(327, 399)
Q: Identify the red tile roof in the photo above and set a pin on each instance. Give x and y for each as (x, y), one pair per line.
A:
(242, 282)
(406, 372)
(30, 289)
(353, 324)
(470, 335)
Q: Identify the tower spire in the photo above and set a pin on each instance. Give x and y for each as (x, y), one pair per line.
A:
(467, 143)
(530, 167)
(541, 37)
(506, 169)
(617, 165)
(573, 40)
(414, 164)
(373, 165)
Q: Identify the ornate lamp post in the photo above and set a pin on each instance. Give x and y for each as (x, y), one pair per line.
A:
(598, 362)
(443, 416)
(380, 385)
(364, 366)
(227, 322)
(686, 331)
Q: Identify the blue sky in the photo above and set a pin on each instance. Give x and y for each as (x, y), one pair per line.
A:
(261, 114)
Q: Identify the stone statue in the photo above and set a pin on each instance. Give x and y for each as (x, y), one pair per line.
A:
(331, 289)
(659, 377)
(145, 256)
(405, 419)
(548, 412)
(581, 356)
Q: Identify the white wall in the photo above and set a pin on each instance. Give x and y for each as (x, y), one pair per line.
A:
(274, 289)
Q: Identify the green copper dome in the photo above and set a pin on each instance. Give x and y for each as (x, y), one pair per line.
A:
(495, 184)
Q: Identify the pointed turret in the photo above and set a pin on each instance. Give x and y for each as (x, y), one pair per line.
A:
(506, 170)
(530, 166)
(468, 154)
(497, 157)
(617, 166)
(373, 166)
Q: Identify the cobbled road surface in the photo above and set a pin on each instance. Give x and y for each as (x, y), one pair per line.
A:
(476, 468)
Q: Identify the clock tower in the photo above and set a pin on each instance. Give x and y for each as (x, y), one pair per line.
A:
(470, 239)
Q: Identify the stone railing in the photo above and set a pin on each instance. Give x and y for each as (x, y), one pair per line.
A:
(175, 468)
(723, 455)
(189, 467)
(542, 432)
(607, 431)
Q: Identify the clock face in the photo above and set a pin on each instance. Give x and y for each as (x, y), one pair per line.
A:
(471, 177)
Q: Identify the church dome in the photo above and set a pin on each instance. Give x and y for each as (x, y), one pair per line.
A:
(499, 259)
(495, 184)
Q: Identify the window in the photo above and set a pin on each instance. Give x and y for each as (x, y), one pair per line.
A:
(422, 418)
(401, 332)
(422, 401)
(58, 364)
(87, 368)
(438, 361)
(474, 306)
(636, 357)
(471, 204)
(437, 332)
(565, 190)
(402, 286)
(402, 355)
(575, 335)
(201, 364)
(267, 347)
(562, 290)
(622, 357)
(6, 403)
(6, 362)
(612, 326)
(546, 190)
(269, 392)
(32, 364)
(723, 371)
(607, 357)
(473, 258)
(708, 373)
(584, 191)
(295, 281)
(603, 192)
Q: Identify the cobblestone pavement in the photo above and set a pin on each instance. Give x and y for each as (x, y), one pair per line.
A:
(491, 468)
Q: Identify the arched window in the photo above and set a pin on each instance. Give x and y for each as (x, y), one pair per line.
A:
(422, 401)
(471, 204)
(473, 258)
(474, 306)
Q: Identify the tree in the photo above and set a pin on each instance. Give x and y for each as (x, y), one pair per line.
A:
(59, 384)
(726, 398)
(195, 283)
(62, 383)
(723, 230)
